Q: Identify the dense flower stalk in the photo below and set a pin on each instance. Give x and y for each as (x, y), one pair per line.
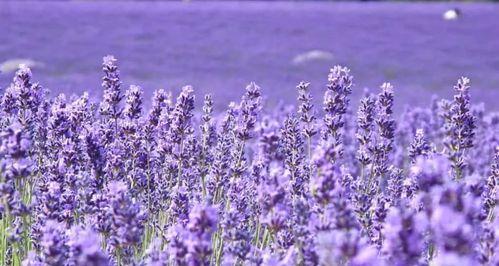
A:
(452, 222)
(113, 95)
(208, 139)
(307, 114)
(181, 127)
(53, 244)
(249, 107)
(489, 197)
(133, 105)
(294, 152)
(15, 173)
(127, 224)
(404, 236)
(419, 146)
(336, 102)
(84, 248)
(365, 121)
(202, 224)
(385, 131)
(22, 98)
(459, 126)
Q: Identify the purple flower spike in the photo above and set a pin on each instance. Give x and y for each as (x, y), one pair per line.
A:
(133, 106)
(85, 248)
(460, 127)
(202, 224)
(112, 88)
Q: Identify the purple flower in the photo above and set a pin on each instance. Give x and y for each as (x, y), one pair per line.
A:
(202, 224)
(459, 126)
(431, 171)
(179, 206)
(395, 184)
(155, 256)
(419, 146)
(85, 248)
(322, 186)
(111, 83)
(249, 107)
(208, 139)
(133, 105)
(293, 154)
(127, 221)
(161, 100)
(454, 221)
(182, 114)
(488, 244)
(33, 260)
(335, 106)
(379, 216)
(489, 196)
(306, 112)
(53, 244)
(404, 232)
(22, 98)
(347, 246)
(95, 153)
(177, 248)
(365, 121)
(14, 148)
(385, 131)
(15, 171)
(219, 175)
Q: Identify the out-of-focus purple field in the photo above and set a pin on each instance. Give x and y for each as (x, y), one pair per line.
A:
(220, 47)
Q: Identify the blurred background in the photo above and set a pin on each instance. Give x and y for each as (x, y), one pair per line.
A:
(218, 47)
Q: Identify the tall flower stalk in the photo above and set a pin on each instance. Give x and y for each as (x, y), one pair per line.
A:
(112, 95)
(336, 102)
(307, 115)
(459, 127)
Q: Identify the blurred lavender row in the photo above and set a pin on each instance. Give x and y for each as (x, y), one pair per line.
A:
(219, 47)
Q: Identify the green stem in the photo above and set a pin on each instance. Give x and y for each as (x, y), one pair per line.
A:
(265, 238)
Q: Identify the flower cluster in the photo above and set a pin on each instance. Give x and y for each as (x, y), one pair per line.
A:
(111, 183)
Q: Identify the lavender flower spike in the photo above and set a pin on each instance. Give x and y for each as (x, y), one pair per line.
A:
(111, 83)
(307, 114)
(85, 248)
(202, 224)
(460, 127)
(335, 106)
(133, 106)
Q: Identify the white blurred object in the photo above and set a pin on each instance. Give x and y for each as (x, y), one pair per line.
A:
(452, 14)
(12, 65)
(312, 55)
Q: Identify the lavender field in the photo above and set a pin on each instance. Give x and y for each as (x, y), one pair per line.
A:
(220, 47)
(114, 160)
